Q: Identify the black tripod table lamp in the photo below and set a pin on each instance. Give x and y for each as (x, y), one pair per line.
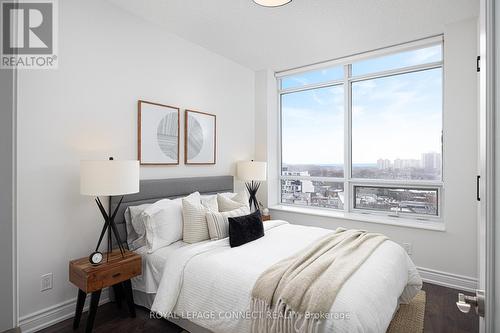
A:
(108, 178)
(252, 173)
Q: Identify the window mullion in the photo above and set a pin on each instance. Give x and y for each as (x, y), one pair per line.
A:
(347, 138)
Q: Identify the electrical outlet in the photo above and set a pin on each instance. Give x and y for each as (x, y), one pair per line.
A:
(46, 282)
(407, 247)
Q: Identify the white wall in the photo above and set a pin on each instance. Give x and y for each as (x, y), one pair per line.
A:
(87, 109)
(265, 123)
(455, 250)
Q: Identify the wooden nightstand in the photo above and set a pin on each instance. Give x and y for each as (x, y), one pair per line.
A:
(266, 218)
(116, 272)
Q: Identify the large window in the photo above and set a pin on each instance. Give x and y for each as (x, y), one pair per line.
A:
(313, 131)
(365, 133)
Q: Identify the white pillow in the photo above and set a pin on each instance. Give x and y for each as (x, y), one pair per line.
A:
(227, 204)
(241, 197)
(218, 223)
(195, 223)
(137, 221)
(229, 195)
(163, 223)
(210, 202)
(136, 237)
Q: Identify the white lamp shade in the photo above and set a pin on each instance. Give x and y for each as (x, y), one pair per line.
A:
(252, 170)
(109, 177)
(272, 3)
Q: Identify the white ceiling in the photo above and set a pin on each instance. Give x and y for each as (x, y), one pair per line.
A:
(302, 32)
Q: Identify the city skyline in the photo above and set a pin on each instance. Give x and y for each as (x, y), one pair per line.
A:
(373, 164)
(429, 160)
(428, 167)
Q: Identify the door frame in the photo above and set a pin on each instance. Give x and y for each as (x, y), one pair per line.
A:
(8, 210)
(486, 250)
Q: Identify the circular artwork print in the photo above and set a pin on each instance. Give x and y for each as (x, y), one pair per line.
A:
(167, 134)
(195, 139)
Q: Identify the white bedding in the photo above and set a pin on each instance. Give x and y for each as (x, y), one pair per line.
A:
(208, 282)
(152, 267)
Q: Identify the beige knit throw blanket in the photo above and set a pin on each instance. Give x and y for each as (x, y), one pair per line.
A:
(297, 293)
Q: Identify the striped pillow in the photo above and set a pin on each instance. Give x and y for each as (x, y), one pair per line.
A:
(195, 224)
(218, 223)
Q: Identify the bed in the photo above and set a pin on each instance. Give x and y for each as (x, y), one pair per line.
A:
(208, 285)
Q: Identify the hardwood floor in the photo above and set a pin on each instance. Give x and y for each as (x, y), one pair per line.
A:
(111, 319)
(441, 315)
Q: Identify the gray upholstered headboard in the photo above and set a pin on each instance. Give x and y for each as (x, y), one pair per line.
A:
(152, 190)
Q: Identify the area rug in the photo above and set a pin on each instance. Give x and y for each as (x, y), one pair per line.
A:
(410, 317)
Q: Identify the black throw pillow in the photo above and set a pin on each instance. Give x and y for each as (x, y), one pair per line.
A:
(244, 229)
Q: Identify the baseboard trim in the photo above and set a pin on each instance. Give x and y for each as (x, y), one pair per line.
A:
(449, 280)
(55, 314)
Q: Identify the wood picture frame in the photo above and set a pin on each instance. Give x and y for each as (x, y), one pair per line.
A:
(158, 133)
(200, 145)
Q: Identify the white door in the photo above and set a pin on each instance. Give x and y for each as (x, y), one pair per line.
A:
(484, 300)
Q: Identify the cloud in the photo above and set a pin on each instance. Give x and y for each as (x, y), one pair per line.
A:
(401, 117)
(393, 117)
(422, 56)
(332, 96)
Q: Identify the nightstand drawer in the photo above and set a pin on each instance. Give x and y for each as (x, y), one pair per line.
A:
(106, 278)
(90, 278)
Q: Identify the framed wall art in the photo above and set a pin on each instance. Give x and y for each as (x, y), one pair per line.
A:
(158, 134)
(199, 137)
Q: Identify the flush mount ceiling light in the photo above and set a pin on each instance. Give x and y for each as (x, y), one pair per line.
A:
(272, 3)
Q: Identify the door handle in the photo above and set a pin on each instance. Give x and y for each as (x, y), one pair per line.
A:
(478, 182)
(465, 302)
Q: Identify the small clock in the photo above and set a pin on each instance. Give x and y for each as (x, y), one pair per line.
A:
(95, 258)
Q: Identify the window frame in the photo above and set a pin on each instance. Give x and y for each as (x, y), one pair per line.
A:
(346, 82)
(399, 214)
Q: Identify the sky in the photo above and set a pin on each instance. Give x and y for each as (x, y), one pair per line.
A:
(393, 117)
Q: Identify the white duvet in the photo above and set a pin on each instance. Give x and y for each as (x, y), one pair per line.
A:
(210, 283)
